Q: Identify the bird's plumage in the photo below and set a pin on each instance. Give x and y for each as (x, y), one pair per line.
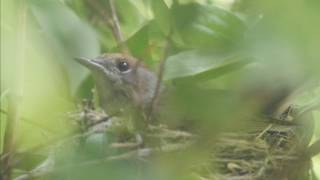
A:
(131, 89)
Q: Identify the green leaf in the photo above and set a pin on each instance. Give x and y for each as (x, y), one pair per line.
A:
(202, 65)
(67, 36)
(139, 42)
(85, 88)
(162, 15)
(65, 28)
(207, 26)
(132, 16)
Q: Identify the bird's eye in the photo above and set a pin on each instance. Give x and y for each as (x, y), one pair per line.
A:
(123, 66)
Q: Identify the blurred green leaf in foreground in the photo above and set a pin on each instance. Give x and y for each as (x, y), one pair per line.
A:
(247, 47)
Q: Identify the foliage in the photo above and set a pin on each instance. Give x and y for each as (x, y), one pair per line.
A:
(245, 47)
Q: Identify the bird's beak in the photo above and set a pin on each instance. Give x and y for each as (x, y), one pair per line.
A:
(89, 63)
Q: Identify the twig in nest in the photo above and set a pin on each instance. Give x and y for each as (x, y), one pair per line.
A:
(125, 145)
(171, 134)
(129, 145)
(264, 131)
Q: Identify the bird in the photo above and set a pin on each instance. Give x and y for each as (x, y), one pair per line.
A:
(126, 86)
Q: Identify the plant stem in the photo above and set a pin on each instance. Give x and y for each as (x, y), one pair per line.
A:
(112, 21)
(14, 96)
(117, 29)
(160, 75)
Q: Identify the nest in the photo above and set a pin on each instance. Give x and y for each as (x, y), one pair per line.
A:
(268, 155)
(272, 153)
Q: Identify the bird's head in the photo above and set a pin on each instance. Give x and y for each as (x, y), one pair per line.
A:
(121, 80)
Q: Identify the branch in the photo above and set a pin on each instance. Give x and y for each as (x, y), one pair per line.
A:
(117, 29)
(112, 22)
(102, 14)
(160, 76)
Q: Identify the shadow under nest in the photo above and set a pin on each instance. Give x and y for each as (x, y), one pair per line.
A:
(277, 152)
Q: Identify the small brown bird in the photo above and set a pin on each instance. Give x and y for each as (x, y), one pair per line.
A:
(124, 85)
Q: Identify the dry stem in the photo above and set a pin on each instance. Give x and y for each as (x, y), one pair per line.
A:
(160, 75)
(112, 22)
(117, 30)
